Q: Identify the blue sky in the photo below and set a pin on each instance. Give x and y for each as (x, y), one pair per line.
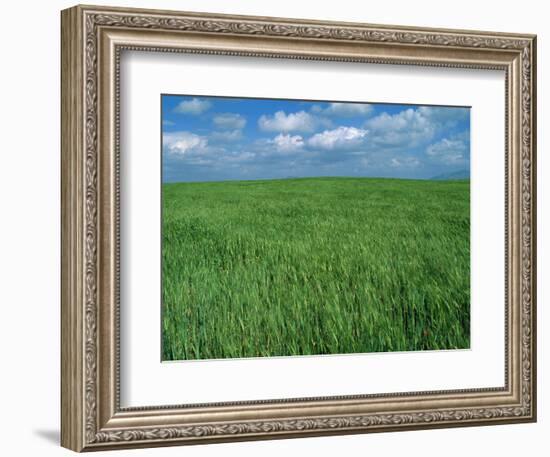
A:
(219, 138)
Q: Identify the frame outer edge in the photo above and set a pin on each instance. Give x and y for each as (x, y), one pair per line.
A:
(72, 227)
(533, 139)
(80, 234)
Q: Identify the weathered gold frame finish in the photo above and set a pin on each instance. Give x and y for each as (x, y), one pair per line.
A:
(92, 40)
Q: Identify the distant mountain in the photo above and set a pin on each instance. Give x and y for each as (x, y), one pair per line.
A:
(460, 174)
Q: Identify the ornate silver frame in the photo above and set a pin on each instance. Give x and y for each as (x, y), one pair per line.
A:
(92, 40)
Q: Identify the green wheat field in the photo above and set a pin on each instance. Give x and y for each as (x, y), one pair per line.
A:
(314, 266)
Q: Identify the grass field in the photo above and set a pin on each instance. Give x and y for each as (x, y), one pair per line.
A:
(314, 266)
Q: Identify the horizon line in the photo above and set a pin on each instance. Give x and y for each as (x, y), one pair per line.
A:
(434, 178)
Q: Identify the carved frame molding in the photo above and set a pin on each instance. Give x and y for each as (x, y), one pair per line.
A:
(92, 40)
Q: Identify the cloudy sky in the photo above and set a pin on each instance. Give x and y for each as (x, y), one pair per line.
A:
(218, 138)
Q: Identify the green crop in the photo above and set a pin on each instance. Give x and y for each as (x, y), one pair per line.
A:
(314, 266)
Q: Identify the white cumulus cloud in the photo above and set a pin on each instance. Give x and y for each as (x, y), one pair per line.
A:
(338, 138)
(408, 127)
(450, 151)
(182, 143)
(229, 121)
(282, 122)
(194, 106)
(287, 143)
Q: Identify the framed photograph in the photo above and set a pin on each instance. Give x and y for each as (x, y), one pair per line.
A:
(275, 228)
